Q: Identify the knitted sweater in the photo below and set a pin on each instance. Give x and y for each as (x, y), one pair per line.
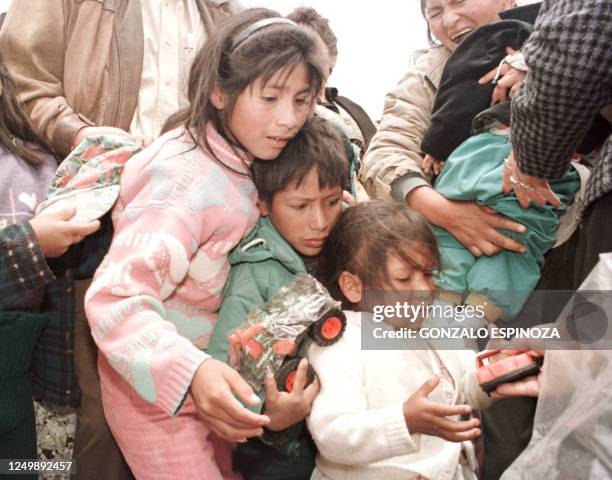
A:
(23, 268)
(357, 419)
(154, 300)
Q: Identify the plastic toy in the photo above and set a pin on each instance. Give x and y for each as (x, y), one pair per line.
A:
(276, 335)
(495, 368)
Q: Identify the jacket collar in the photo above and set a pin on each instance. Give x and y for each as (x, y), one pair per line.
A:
(232, 157)
(265, 243)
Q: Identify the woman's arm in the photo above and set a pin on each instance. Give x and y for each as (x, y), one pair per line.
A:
(475, 226)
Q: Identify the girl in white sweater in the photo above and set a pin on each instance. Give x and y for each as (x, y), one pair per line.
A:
(387, 414)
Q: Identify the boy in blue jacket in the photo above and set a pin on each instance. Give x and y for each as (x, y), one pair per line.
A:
(300, 199)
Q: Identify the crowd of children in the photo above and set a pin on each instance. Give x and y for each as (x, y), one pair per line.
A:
(244, 189)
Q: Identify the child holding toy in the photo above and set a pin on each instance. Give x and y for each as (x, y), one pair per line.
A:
(300, 201)
(390, 414)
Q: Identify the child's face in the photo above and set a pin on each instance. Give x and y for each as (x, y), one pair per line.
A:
(304, 215)
(414, 278)
(266, 116)
(415, 282)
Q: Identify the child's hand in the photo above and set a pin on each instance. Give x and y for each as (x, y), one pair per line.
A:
(55, 232)
(427, 417)
(286, 409)
(211, 389)
(430, 162)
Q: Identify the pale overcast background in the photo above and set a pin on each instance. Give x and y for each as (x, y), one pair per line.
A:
(376, 41)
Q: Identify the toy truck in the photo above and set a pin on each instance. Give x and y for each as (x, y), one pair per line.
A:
(275, 336)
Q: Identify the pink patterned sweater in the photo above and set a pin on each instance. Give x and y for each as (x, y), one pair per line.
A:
(154, 299)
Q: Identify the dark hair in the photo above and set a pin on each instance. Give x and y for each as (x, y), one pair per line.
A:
(309, 17)
(317, 145)
(363, 237)
(432, 41)
(15, 126)
(233, 68)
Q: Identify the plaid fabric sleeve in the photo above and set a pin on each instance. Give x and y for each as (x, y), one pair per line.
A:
(23, 266)
(570, 60)
(53, 370)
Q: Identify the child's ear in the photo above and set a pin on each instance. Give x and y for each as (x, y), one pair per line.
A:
(218, 97)
(263, 207)
(351, 286)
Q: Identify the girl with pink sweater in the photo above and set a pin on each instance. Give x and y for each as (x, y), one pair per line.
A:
(185, 202)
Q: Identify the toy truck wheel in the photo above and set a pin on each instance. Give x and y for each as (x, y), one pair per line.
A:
(285, 377)
(329, 329)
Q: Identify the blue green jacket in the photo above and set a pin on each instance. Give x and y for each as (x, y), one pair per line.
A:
(261, 264)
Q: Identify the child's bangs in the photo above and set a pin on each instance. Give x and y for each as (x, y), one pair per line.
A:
(281, 68)
(279, 50)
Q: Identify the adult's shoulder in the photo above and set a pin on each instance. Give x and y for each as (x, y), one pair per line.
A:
(430, 63)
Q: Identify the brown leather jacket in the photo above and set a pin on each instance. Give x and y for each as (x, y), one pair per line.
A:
(79, 62)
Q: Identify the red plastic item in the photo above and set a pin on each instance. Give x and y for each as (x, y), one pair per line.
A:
(492, 372)
(331, 328)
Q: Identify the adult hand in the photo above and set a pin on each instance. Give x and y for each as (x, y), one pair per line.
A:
(475, 226)
(507, 80)
(286, 409)
(430, 163)
(527, 188)
(55, 232)
(427, 417)
(528, 387)
(85, 132)
(211, 389)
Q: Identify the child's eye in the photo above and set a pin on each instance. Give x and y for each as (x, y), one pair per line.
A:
(299, 206)
(302, 100)
(334, 202)
(268, 99)
(433, 13)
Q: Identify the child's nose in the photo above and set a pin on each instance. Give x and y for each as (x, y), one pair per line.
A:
(423, 282)
(287, 115)
(319, 219)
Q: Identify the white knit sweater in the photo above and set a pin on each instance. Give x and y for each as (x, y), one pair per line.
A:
(357, 419)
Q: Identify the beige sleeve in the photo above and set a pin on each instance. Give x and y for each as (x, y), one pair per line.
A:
(395, 150)
(473, 395)
(33, 47)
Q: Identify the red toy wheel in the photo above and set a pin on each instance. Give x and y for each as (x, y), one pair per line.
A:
(329, 329)
(286, 374)
(290, 381)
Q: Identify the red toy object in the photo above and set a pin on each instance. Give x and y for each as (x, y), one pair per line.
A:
(495, 368)
(276, 335)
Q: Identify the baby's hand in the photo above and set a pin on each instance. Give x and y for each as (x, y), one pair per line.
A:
(55, 232)
(430, 162)
(427, 417)
(286, 409)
